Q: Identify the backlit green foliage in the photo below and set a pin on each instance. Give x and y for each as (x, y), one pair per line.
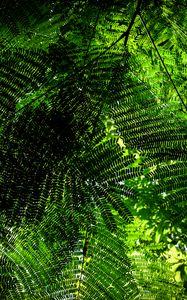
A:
(93, 149)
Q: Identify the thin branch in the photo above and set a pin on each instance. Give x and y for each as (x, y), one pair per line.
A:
(137, 12)
(124, 34)
(162, 61)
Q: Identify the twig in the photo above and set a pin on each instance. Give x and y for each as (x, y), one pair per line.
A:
(137, 12)
(124, 34)
(162, 61)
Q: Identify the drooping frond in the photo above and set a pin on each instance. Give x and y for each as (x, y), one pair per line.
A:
(17, 16)
(95, 268)
(22, 72)
(171, 188)
(89, 133)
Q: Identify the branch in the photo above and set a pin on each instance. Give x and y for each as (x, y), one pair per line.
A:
(137, 12)
(162, 61)
(127, 32)
(124, 34)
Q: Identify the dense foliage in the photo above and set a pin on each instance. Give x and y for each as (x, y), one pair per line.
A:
(93, 149)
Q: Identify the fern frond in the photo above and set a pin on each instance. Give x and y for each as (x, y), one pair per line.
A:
(18, 16)
(95, 259)
(22, 71)
(88, 135)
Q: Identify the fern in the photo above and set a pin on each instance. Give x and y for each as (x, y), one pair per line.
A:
(82, 272)
(84, 138)
(16, 80)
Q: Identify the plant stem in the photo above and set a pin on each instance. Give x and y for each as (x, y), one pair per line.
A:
(137, 12)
